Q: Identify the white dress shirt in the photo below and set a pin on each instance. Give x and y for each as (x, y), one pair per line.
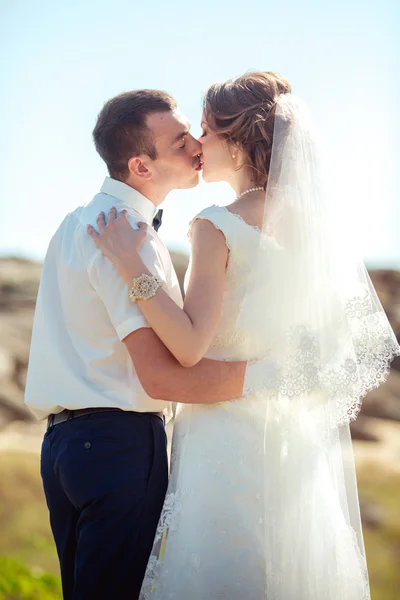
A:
(77, 357)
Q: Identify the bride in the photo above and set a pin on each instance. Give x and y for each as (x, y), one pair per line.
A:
(262, 499)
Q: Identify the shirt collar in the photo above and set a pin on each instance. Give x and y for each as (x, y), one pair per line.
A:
(130, 196)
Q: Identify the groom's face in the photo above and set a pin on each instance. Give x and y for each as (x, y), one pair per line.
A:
(178, 164)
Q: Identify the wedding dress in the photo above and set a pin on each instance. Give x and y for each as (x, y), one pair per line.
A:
(228, 530)
(262, 502)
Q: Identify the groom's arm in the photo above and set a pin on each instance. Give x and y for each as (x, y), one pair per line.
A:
(163, 378)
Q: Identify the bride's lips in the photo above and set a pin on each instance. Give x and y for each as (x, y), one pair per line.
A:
(199, 165)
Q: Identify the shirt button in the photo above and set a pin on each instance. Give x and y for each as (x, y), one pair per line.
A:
(87, 445)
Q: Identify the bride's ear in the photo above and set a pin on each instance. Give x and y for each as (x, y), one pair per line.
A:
(235, 149)
(236, 153)
(139, 166)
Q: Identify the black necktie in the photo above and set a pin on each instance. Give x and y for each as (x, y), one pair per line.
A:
(158, 220)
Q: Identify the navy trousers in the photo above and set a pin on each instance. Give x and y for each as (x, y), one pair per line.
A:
(105, 477)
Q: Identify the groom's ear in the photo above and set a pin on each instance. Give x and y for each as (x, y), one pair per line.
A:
(138, 166)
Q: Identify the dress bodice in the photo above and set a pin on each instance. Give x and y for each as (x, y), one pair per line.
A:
(237, 336)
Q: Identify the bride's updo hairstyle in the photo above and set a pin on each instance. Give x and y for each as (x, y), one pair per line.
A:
(242, 111)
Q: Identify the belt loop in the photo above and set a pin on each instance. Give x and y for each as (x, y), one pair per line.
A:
(51, 420)
(71, 415)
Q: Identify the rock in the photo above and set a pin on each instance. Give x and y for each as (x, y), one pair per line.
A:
(19, 282)
(387, 284)
(386, 453)
(360, 430)
(384, 402)
(6, 364)
(372, 515)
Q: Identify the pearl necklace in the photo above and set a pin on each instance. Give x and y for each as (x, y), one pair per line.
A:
(253, 189)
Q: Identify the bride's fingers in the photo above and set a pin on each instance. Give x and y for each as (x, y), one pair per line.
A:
(92, 232)
(112, 214)
(123, 214)
(143, 228)
(101, 221)
(142, 231)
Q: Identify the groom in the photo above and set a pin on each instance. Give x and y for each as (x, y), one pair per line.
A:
(100, 375)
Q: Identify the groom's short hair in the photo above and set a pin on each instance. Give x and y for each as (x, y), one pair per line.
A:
(121, 131)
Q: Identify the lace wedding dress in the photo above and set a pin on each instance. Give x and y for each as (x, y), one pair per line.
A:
(229, 528)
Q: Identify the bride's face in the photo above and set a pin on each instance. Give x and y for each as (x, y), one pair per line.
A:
(218, 164)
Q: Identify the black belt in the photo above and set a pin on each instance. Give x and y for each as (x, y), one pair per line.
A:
(67, 415)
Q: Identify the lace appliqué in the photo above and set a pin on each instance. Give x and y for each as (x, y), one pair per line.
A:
(230, 338)
(171, 508)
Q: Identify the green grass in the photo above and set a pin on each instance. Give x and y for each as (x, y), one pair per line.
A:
(18, 582)
(27, 542)
(24, 520)
(382, 543)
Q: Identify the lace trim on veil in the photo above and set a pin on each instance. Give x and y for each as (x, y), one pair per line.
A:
(364, 366)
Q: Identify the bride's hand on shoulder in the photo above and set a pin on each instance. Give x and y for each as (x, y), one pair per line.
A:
(117, 239)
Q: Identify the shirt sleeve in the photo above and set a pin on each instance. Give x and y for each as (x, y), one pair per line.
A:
(125, 315)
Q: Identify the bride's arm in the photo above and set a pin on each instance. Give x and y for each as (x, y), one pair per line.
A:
(187, 333)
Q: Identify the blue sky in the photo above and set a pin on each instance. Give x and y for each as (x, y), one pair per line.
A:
(61, 61)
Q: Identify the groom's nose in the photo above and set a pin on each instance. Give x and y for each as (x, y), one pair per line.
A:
(195, 147)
